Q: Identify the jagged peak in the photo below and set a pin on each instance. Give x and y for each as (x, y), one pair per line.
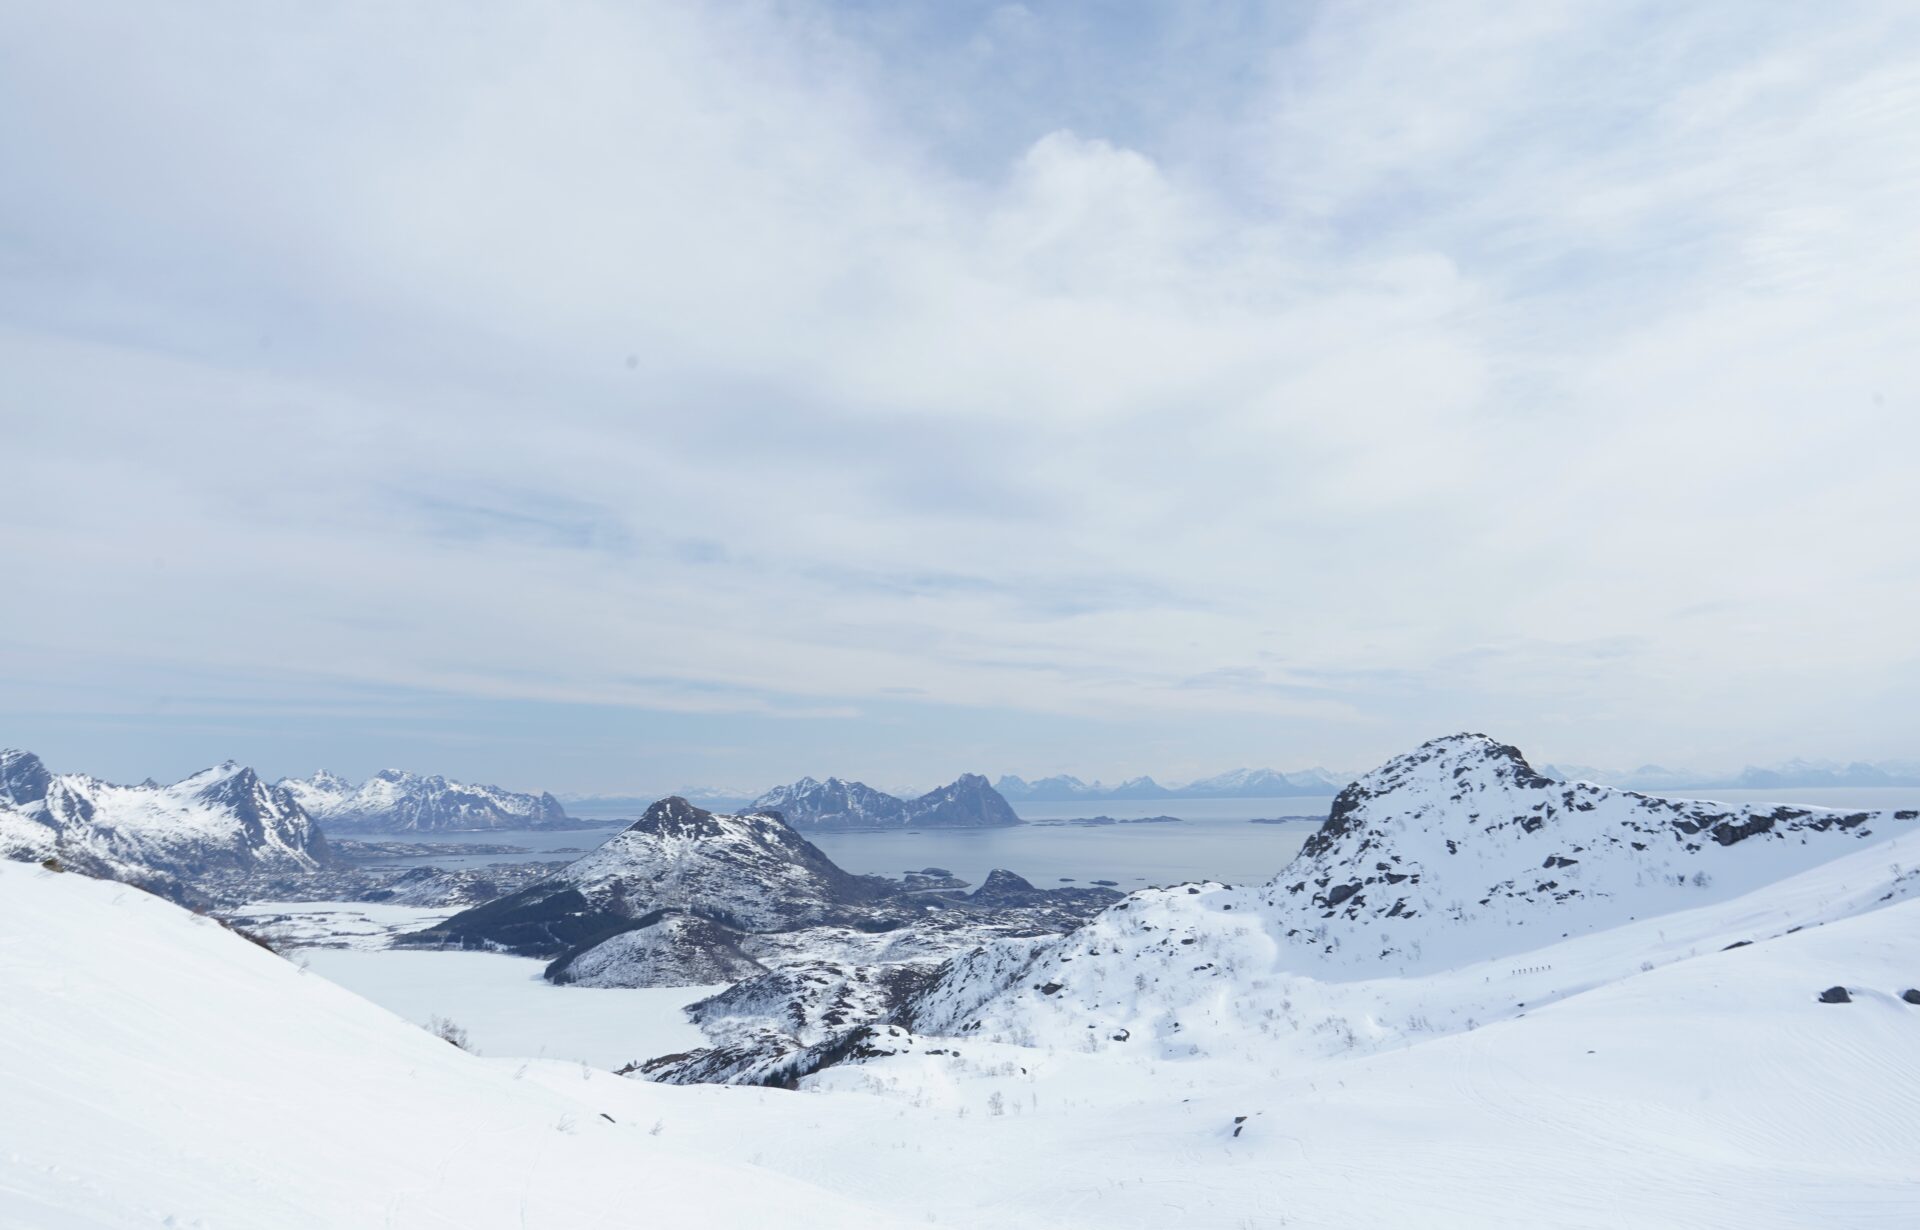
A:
(1447, 759)
(218, 776)
(1453, 754)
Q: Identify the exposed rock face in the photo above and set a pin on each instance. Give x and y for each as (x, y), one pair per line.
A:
(394, 801)
(967, 802)
(223, 819)
(767, 1028)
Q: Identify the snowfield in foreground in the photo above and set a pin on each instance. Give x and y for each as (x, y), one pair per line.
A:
(159, 1070)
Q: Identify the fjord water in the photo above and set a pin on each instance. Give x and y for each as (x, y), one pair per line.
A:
(1215, 839)
(1230, 849)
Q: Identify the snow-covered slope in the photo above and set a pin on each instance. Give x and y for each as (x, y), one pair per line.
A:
(394, 801)
(158, 1070)
(670, 949)
(1454, 854)
(1712, 1091)
(968, 801)
(220, 819)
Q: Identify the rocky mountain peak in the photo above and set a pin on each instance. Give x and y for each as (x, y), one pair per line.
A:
(23, 778)
(227, 782)
(1443, 765)
(673, 816)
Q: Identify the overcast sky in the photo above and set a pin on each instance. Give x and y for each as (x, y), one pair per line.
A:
(623, 396)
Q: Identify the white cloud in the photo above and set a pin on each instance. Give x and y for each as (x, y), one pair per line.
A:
(635, 356)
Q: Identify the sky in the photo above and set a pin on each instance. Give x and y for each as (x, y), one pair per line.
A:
(618, 397)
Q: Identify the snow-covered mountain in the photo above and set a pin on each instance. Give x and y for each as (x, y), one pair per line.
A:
(833, 803)
(220, 819)
(749, 872)
(1453, 854)
(394, 801)
(668, 948)
(969, 801)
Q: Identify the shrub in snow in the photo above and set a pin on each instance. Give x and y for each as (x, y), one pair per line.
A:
(444, 1029)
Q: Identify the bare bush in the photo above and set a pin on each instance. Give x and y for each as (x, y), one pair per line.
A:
(447, 1031)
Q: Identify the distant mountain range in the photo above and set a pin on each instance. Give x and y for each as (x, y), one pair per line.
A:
(1793, 775)
(394, 801)
(1233, 784)
(967, 802)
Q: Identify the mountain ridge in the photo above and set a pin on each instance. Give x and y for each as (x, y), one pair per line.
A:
(398, 801)
(969, 801)
(224, 818)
